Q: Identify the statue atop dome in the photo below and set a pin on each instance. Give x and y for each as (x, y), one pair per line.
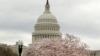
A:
(47, 2)
(47, 7)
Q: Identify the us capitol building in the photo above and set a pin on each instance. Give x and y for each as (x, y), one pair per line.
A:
(48, 27)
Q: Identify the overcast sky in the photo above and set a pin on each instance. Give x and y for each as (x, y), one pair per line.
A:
(78, 17)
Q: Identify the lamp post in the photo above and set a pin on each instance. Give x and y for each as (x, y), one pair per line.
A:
(20, 47)
(94, 53)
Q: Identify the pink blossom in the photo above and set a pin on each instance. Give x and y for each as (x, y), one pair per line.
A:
(70, 46)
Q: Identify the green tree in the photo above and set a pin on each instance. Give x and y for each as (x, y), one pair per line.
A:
(6, 51)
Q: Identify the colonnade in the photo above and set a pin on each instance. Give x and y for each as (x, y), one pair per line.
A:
(49, 28)
(38, 37)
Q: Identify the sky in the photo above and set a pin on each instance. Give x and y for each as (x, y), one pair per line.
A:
(76, 17)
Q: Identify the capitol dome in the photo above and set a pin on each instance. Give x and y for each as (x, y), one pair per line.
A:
(47, 17)
(46, 26)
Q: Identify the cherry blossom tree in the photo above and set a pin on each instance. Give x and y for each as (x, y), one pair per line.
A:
(69, 46)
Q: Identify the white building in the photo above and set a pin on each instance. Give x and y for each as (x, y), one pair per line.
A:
(46, 26)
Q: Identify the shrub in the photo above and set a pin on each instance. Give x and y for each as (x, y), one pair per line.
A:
(6, 50)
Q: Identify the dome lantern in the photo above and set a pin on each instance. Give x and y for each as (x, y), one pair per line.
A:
(47, 7)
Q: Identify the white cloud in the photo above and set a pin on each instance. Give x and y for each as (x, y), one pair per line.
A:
(78, 17)
(12, 36)
(91, 41)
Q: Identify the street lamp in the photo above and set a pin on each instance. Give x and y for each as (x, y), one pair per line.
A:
(20, 47)
(95, 53)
